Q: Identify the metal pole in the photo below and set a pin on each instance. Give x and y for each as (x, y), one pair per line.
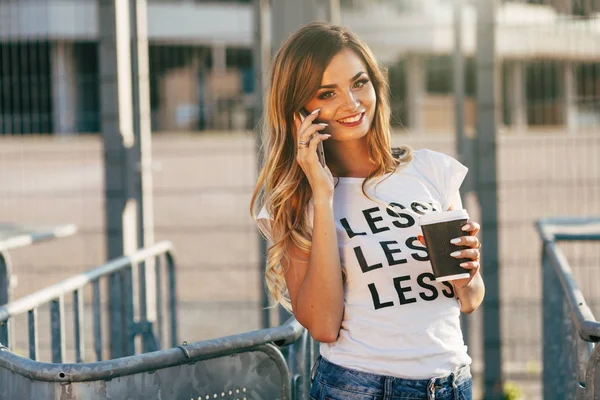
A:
(462, 152)
(146, 279)
(119, 158)
(459, 83)
(289, 15)
(262, 54)
(333, 11)
(553, 378)
(487, 190)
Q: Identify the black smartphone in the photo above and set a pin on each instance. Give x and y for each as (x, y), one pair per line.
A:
(320, 151)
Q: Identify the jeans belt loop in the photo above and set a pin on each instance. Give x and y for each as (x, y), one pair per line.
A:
(431, 389)
(313, 370)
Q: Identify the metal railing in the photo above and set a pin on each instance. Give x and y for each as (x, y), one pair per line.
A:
(571, 357)
(268, 364)
(130, 274)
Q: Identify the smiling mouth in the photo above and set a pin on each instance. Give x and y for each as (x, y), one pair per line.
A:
(353, 120)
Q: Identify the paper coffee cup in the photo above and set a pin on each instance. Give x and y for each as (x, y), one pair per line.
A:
(438, 229)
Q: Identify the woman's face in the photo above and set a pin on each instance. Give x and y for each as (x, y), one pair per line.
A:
(346, 97)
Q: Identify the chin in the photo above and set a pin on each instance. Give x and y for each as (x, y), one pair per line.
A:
(344, 134)
(356, 132)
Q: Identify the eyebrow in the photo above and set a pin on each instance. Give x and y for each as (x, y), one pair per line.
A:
(333, 85)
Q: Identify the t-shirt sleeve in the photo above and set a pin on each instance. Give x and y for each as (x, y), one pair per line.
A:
(447, 175)
(263, 221)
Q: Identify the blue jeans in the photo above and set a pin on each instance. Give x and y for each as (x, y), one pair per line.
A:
(333, 382)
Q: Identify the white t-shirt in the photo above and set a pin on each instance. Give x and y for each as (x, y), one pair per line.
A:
(398, 321)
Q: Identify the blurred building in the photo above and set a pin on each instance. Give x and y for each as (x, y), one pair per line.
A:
(202, 76)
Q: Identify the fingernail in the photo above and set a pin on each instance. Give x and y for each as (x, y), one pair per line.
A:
(326, 135)
(455, 254)
(466, 227)
(463, 264)
(316, 111)
(323, 124)
(454, 241)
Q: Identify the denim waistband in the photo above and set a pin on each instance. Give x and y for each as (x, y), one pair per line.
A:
(364, 382)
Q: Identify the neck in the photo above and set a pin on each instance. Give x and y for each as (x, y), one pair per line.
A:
(349, 159)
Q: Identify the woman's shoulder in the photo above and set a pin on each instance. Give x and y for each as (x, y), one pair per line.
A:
(430, 159)
(433, 166)
(428, 155)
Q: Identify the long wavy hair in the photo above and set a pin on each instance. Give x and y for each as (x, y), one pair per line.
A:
(282, 187)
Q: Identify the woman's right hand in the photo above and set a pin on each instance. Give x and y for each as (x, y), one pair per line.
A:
(308, 136)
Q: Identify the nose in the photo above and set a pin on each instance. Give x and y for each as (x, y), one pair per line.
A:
(351, 101)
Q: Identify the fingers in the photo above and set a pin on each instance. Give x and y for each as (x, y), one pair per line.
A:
(472, 227)
(306, 153)
(473, 254)
(307, 121)
(470, 265)
(470, 241)
(308, 134)
(316, 139)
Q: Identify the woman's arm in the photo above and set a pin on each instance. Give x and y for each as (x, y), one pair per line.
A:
(314, 279)
(471, 294)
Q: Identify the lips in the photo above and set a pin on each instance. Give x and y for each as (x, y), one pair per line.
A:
(352, 120)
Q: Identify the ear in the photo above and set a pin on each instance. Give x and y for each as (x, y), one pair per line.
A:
(297, 121)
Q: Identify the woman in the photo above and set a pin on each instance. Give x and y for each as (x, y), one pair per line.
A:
(346, 257)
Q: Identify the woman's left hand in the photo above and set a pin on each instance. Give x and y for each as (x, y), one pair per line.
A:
(472, 253)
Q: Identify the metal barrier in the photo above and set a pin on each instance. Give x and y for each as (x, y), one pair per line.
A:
(570, 331)
(122, 269)
(267, 364)
(244, 366)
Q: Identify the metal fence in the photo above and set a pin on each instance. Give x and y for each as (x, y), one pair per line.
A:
(570, 330)
(203, 102)
(137, 332)
(269, 364)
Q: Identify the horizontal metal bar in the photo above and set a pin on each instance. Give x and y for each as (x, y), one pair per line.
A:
(569, 228)
(560, 237)
(78, 281)
(581, 315)
(109, 369)
(35, 236)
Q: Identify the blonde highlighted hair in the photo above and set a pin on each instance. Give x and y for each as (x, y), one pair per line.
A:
(282, 187)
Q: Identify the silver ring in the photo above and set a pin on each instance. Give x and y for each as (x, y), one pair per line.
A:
(302, 144)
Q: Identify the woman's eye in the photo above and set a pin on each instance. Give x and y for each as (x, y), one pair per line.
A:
(360, 83)
(325, 95)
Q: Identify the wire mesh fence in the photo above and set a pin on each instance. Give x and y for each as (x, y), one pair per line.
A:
(203, 111)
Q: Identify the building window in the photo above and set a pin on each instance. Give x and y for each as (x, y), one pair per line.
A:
(25, 88)
(439, 74)
(88, 87)
(542, 85)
